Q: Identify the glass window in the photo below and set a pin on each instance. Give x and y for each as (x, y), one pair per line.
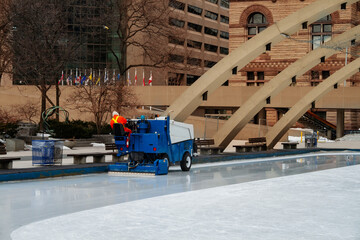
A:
(224, 35)
(213, 1)
(316, 28)
(250, 76)
(321, 31)
(194, 27)
(194, 44)
(176, 41)
(176, 58)
(211, 31)
(314, 75)
(176, 22)
(325, 74)
(194, 10)
(224, 3)
(327, 28)
(211, 48)
(224, 19)
(177, 5)
(224, 50)
(209, 64)
(211, 15)
(256, 24)
(194, 61)
(260, 76)
(191, 79)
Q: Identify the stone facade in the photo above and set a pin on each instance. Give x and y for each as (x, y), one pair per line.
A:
(243, 26)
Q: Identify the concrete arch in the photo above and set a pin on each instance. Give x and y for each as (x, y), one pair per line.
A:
(258, 100)
(237, 59)
(280, 128)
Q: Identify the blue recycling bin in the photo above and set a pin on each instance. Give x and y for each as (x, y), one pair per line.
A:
(47, 152)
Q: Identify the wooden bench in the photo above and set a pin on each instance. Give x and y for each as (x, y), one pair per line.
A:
(99, 157)
(290, 145)
(204, 145)
(253, 145)
(7, 162)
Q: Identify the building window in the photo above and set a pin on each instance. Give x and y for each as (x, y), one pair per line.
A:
(175, 79)
(191, 79)
(176, 58)
(224, 3)
(250, 76)
(209, 64)
(321, 31)
(224, 50)
(176, 22)
(211, 15)
(211, 31)
(256, 24)
(194, 61)
(194, 27)
(224, 35)
(260, 76)
(213, 1)
(194, 10)
(194, 44)
(210, 48)
(177, 5)
(176, 41)
(325, 74)
(315, 75)
(224, 19)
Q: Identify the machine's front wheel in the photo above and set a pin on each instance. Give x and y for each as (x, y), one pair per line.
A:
(186, 162)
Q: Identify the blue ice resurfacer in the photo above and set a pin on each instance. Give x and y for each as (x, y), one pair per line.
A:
(153, 145)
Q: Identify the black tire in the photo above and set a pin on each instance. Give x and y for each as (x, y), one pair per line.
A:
(186, 162)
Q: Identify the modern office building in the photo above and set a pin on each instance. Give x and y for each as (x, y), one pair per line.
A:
(205, 42)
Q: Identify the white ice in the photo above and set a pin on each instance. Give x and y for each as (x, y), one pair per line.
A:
(316, 205)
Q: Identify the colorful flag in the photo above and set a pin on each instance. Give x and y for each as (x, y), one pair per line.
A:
(143, 77)
(83, 80)
(128, 80)
(90, 77)
(76, 76)
(98, 81)
(135, 76)
(105, 76)
(113, 78)
(61, 79)
(150, 79)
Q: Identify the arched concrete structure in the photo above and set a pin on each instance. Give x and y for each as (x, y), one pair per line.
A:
(221, 72)
(280, 128)
(258, 100)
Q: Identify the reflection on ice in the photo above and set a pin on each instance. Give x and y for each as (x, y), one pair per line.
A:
(25, 202)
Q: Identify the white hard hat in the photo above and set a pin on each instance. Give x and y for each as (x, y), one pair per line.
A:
(115, 113)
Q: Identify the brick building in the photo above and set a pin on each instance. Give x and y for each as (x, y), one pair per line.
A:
(249, 17)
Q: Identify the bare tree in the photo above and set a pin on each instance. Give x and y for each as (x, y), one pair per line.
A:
(100, 101)
(143, 26)
(5, 32)
(27, 112)
(41, 47)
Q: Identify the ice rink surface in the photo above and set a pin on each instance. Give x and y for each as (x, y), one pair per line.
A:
(237, 200)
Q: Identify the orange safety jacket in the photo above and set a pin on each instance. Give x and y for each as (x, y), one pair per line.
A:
(119, 119)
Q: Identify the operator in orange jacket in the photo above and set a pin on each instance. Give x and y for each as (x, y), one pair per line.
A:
(116, 118)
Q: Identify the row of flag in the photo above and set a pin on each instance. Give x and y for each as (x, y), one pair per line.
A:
(92, 78)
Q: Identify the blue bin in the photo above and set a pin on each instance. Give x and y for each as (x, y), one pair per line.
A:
(47, 152)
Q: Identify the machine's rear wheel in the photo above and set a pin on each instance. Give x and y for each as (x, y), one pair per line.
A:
(186, 162)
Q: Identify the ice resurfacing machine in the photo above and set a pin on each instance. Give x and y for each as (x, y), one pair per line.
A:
(153, 145)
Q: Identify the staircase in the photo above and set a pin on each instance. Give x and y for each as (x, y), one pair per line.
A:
(313, 121)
